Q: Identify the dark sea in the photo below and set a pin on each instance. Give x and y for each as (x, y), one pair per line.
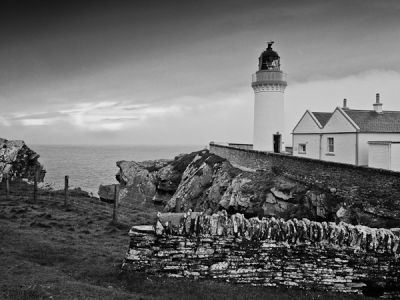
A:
(90, 166)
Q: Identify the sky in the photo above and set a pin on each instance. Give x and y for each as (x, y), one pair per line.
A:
(179, 72)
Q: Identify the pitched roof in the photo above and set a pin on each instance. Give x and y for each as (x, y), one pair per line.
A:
(370, 121)
(322, 117)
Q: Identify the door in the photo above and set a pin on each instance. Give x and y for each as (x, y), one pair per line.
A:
(277, 143)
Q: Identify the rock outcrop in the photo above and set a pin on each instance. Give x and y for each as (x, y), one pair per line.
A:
(202, 181)
(17, 160)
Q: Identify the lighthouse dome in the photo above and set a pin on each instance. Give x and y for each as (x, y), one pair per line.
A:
(269, 59)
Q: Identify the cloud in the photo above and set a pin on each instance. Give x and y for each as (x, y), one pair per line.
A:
(95, 116)
(225, 115)
(35, 122)
(4, 122)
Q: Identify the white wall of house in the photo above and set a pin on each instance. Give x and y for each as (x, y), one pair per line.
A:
(344, 148)
(379, 155)
(364, 138)
(312, 142)
(307, 125)
(395, 157)
(307, 132)
(339, 123)
(343, 131)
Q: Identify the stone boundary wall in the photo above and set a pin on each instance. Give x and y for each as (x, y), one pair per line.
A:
(368, 185)
(292, 231)
(269, 252)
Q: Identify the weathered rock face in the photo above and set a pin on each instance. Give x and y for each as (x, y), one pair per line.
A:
(137, 182)
(235, 197)
(202, 181)
(152, 181)
(196, 181)
(18, 161)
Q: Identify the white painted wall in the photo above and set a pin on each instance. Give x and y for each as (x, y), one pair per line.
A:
(312, 145)
(379, 156)
(338, 123)
(395, 157)
(268, 118)
(306, 125)
(364, 138)
(344, 148)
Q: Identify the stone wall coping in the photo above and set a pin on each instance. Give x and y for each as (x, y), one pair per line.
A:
(291, 231)
(141, 229)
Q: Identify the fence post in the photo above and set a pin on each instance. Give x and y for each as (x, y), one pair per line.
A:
(116, 200)
(35, 187)
(7, 186)
(66, 193)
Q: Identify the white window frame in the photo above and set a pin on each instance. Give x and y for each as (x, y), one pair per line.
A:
(331, 146)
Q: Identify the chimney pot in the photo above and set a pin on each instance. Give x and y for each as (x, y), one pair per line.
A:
(344, 103)
(378, 105)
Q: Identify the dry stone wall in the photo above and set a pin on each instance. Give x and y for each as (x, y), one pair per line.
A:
(270, 252)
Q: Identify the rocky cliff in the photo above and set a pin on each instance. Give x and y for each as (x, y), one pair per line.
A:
(17, 160)
(205, 182)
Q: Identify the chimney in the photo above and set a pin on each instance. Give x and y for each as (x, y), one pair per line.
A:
(345, 103)
(378, 105)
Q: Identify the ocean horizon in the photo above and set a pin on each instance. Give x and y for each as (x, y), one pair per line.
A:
(89, 166)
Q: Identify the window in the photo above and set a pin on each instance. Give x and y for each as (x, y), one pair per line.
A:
(331, 145)
(302, 148)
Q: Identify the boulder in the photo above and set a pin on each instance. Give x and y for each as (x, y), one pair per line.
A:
(17, 160)
(107, 192)
(280, 194)
(137, 183)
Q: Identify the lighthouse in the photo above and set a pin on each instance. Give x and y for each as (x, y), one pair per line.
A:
(269, 85)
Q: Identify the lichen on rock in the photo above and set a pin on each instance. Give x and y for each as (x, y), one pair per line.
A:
(17, 160)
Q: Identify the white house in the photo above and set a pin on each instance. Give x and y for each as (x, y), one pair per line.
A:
(343, 135)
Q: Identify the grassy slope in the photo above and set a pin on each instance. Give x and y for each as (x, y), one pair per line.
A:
(48, 252)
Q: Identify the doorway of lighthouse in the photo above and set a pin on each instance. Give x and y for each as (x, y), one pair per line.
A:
(277, 143)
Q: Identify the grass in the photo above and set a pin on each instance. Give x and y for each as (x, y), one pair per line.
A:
(50, 252)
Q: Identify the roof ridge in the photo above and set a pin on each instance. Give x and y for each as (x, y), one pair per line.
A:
(349, 109)
(371, 110)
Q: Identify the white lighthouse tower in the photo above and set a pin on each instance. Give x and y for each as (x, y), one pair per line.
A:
(269, 86)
